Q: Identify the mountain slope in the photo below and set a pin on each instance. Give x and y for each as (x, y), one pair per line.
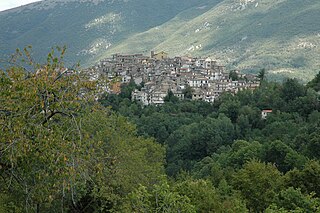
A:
(87, 27)
(282, 36)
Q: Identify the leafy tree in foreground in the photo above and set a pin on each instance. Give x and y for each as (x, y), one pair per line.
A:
(40, 159)
(125, 160)
(60, 150)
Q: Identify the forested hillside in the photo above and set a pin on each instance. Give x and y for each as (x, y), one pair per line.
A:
(225, 158)
(65, 147)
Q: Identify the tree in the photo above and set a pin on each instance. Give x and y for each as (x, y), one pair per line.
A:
(315, 83)
(268, 96)
(193, 142)
(293, 200)
(307, 179)
(206, 198)
(160, 199)
(243, 152)
(283, 127)
(233, 75)
(261, 75)
(291, 90)
(283, 156)
(306, 104)
(126, 89)
(170, 97)
(39, 109)
(314, 145)
(208, 169)
(125, 160)
(60, 149)
(258, 184)
(202, 195)
(231, 109)
(188, 92)
(243, 126)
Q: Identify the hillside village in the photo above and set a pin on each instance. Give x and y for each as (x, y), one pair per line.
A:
(159, 74)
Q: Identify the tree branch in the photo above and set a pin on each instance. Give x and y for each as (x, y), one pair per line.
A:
(53, 114)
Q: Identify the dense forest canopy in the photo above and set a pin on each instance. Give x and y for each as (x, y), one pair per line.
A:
(63, 151)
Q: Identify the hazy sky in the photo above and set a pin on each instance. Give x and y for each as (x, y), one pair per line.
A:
(7, 4)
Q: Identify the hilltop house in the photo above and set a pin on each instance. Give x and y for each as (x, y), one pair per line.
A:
(265, 112)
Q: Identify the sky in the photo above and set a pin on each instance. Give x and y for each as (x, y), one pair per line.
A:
(7, 4)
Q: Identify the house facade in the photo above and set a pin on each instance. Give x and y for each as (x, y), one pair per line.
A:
(159, 74)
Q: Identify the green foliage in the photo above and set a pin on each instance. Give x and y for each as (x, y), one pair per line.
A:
(261, 75)
(242, 152)
(62, 151)
(306, 104)
(209, 169)
(126, 90)
(291, 90)
(206, 198)
(223, 144)
(230, 107)
(283, 156)
(258, 184)
(39, 110)
(170, 97)
(196, 141)
(7, 204)
(128, 160)
(268, 96)
(315, 83)
(294, 200)
(188, 92)
(308, 179)
(162, 198)
(233, 75)
(233, 157)
(314, 144)
(201, 193)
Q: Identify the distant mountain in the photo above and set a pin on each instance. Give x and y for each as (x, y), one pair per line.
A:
(282, 36)
(87, 27)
